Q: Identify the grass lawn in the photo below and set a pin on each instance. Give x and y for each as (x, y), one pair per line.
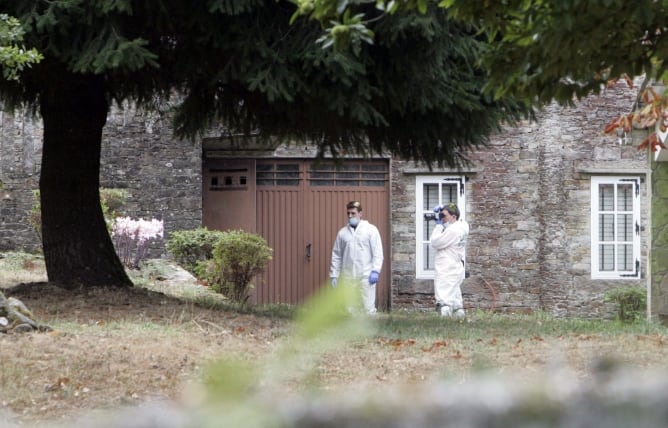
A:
(164, 341)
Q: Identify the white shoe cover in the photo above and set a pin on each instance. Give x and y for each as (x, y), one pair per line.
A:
(446, 311)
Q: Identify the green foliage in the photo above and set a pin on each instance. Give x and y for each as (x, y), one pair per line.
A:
(631, 303)
(547, 50)
(13, 261)
(349, 32)
(539, 50)
(421, 69)
(193, 249)
(238, 257)
(111, 201)
(414, 92)
(321, 325)
(13, 57)
(35, 214)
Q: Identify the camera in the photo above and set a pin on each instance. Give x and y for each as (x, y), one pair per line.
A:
(432, 216)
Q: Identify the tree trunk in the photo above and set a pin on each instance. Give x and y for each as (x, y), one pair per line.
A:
(78, 250)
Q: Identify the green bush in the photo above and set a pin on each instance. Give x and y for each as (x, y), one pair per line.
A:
(111, 201)
(237, 258)
(192, 249)
(631, 303)
(35, 214)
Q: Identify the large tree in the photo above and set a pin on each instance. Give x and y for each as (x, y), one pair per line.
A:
(540, 50)
(415, 92)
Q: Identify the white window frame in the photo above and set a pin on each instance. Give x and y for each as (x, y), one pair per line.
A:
(596, 272)
(420, 211)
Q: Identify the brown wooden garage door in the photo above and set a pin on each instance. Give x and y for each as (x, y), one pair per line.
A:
(299, 206)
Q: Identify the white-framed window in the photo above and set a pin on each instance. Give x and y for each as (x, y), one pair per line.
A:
(431, 191)
(615, 227)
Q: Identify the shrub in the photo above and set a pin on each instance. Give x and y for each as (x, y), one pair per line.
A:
(131, 238)
(111, 201)
(238, 257)
(35, 215)
(192, 249)
(631, 303)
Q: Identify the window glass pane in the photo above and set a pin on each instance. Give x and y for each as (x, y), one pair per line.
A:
(625, 227)
(606, 257)
(322, 174)
(374, 167)
(606, 227)
(428, 259)
(374, 174)
(449, 194)
(606, 197)
(265, 179)
(347, 179)
(277, 174)
(287, 182)
(427, 227)
(625, 197)
(616, 243)
(625, 257)
(264, 175)
(287, 175)
(322, 167)
(429, 196)
(378, 183)
(322, 179)
(349, 174)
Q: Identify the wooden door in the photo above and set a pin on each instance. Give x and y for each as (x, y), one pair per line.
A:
(298, 207)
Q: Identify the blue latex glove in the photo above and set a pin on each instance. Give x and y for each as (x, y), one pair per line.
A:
(437, 210)
(333, 280)
(373, 278)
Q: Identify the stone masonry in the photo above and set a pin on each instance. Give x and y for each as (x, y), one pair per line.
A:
(161, 174)
(528, 206)
(528, 202)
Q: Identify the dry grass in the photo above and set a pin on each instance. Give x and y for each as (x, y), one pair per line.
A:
(109, 349)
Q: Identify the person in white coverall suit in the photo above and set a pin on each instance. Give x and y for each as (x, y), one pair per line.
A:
(449, 240)
(357, 256)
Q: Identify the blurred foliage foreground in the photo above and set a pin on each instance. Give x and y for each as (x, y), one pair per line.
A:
(235, 393)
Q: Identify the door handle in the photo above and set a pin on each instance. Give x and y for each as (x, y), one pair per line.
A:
(308, 251)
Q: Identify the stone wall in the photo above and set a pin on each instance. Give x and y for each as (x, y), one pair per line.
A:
(20, 160)
(161, 173)
(528, 201)
(659, 267)
(528, 206)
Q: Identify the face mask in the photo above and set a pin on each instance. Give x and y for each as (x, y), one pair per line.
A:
(353, 221)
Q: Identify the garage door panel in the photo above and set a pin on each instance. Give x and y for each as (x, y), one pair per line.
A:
(299, 207)
(279, 222)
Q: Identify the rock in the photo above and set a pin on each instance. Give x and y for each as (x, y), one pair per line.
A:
(22, 328)
(15, 317)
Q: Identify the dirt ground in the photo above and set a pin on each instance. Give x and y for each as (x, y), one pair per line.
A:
(110, 349)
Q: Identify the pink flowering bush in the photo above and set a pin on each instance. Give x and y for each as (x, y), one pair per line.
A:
(132, 238)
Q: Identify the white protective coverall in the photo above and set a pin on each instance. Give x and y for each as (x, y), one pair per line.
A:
(449, 241)
(355, 254)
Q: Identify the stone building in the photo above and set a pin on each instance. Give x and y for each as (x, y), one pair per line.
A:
(560, 213)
